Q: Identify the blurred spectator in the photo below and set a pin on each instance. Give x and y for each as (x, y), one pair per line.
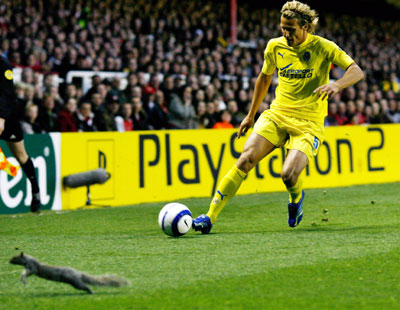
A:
(168, 87)
(394, 111)
(211, 117)
(47, 114)
(139, 115)
(96, 80)
(108, 116)
(234, 111)
(202, 114)
(378, 116)
(342, 116)
(71, 92)
(29, 123)
(157, 111)
(20, 91)
(152, 86)
(360, 110)
(66, 118)
(367, 114)
(182, 114)
(85, 118)
(331, 119)
(97, 102)
(115, 90)
(225, 122)
(124, 121)
(351, 112)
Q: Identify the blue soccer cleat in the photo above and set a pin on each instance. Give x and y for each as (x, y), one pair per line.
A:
(296, 211)
(202, 223)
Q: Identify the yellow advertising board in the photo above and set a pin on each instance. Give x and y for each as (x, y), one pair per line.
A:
(153, 166)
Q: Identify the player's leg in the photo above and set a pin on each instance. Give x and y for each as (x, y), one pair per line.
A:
(19, 151)
(292, 176)
(255, 149)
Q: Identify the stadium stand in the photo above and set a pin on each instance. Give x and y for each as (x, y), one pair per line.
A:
(175, 72)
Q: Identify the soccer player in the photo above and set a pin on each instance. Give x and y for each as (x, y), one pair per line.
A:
(10, 129)
(296, 116)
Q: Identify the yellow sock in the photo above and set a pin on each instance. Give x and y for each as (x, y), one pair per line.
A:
(7, 166)
(295, 191)
(225, 191)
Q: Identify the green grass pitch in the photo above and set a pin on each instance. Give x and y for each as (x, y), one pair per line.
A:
(251, 260)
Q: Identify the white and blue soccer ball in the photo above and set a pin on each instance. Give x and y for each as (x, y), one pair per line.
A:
(175, 219)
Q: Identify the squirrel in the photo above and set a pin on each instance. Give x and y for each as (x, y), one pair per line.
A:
(76, 278)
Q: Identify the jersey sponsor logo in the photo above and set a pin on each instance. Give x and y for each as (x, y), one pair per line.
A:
(296, 74)
(9, 74)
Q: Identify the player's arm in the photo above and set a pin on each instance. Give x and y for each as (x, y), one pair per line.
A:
(352, 75)
(260, 91)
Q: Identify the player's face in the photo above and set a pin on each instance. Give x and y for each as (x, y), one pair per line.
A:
(292, 31)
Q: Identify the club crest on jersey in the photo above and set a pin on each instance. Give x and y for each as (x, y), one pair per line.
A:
(306, 56)
(8, 74)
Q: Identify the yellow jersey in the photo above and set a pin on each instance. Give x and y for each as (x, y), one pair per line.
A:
(302, 69)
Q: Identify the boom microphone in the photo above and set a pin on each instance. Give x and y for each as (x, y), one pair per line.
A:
(97, 176)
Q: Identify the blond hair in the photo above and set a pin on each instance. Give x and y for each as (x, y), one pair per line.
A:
(301, 11)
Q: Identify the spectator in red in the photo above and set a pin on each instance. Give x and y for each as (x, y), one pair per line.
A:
(360, 105)
(124, 121)
(225, 122)
(66, 119)
(352, 113)
(331, 119)
(152, 86)
(342, 117)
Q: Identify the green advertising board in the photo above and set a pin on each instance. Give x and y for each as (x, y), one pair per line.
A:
(15, 192)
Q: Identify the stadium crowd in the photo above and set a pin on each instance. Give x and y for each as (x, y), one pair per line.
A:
(181, 70)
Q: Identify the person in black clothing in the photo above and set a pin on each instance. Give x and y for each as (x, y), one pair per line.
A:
(156, 111)
(11, 132)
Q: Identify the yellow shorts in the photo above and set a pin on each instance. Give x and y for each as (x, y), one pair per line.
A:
(293, 133)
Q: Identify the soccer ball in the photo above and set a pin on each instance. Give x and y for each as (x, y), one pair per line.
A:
(175, 219)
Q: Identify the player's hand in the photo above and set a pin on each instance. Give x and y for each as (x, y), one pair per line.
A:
(2, 121)
(327, 90)
(245, 125)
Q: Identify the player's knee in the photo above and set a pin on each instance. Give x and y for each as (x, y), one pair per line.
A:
(288, 177)
(246, 162)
